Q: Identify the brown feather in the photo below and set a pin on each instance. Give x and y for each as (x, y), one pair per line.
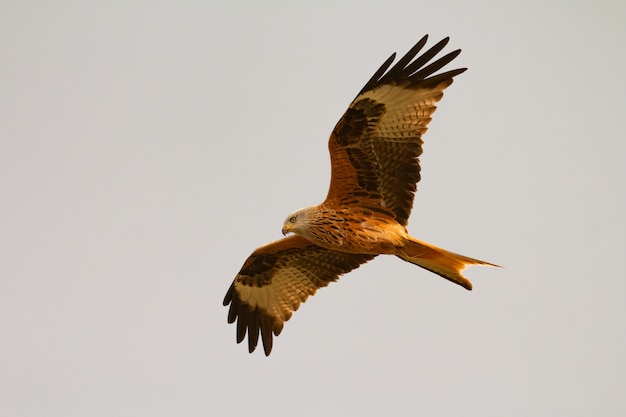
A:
(374, 149)
(276, 279)
(446, 264)
(375, 146)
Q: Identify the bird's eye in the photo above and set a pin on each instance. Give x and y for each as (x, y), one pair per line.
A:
(292, 219)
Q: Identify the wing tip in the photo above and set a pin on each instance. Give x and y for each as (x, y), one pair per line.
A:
(415, 69)
(251, 321)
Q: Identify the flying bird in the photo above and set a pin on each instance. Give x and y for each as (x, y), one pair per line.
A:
(374, 153)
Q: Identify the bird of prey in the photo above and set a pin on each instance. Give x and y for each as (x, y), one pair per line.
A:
(374, 153)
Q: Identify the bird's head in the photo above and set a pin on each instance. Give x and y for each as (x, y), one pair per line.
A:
(296, 221)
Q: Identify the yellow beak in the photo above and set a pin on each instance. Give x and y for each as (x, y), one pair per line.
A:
(286, 229)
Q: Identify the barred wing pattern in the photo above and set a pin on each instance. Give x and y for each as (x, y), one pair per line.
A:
(276, 279)
(375, 146)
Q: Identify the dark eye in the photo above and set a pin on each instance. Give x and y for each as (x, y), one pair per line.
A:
(292, 219)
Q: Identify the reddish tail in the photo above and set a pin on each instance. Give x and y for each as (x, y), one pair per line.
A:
(446, 264)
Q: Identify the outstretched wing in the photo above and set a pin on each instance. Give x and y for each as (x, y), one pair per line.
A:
(276, 279)
(374, 148)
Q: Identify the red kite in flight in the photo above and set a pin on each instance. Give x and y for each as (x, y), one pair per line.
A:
(374, 153)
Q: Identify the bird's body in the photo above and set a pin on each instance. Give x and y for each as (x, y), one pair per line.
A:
(351, 229)
(374, 150)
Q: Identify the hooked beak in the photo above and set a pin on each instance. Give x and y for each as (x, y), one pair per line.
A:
(286, 229)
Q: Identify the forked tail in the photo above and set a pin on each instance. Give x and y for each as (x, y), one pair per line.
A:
(440, 261)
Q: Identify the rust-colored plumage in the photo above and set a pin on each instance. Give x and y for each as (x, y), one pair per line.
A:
(374, 151)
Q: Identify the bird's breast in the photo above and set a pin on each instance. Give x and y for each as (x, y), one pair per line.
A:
(354, 232)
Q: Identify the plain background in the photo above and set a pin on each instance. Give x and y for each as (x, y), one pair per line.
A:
(147, 148)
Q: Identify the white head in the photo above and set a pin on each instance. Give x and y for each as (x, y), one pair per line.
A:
(297, 221)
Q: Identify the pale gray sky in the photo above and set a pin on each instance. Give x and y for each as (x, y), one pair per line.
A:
(146, 149)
